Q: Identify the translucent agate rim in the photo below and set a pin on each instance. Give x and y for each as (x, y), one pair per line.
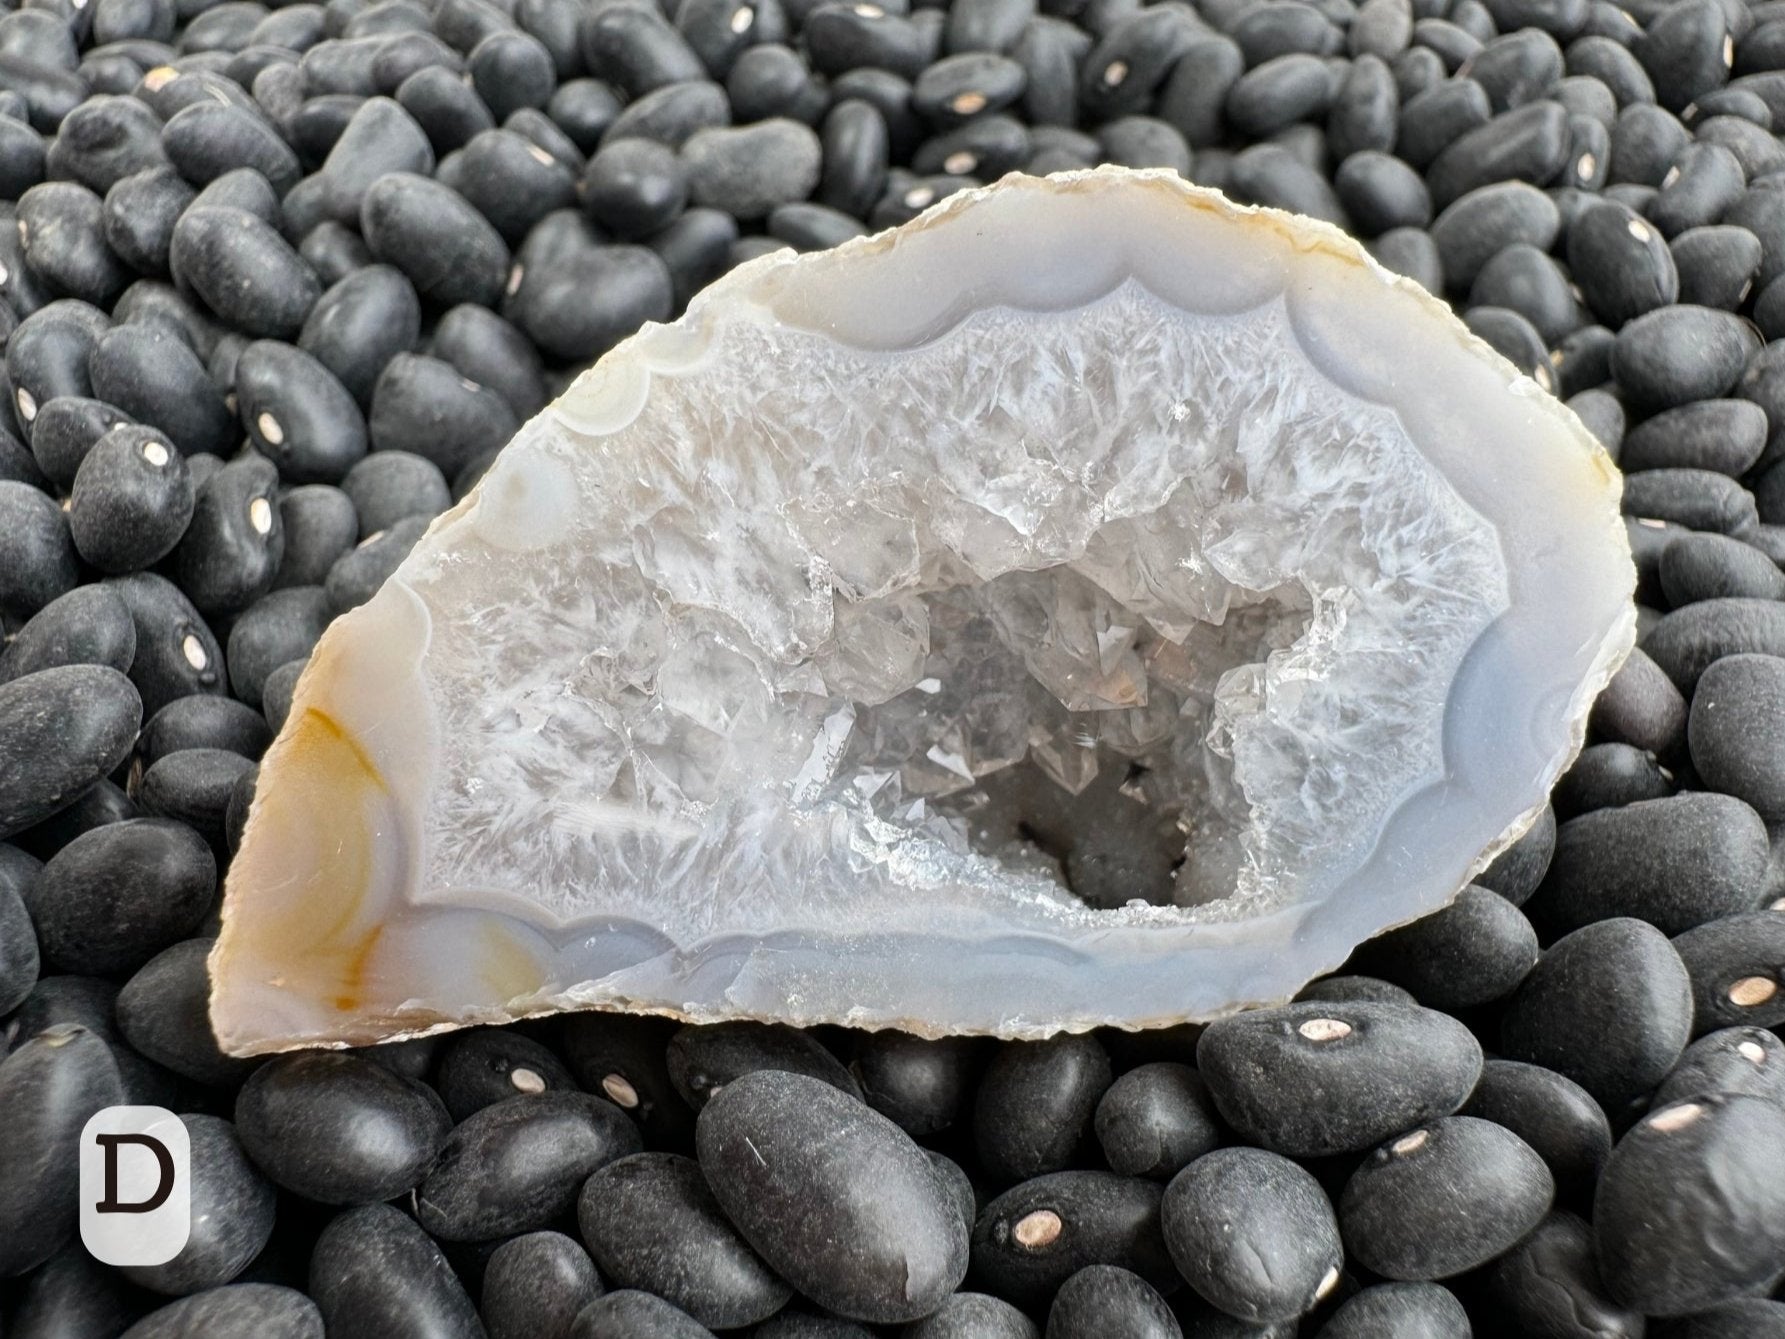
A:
(1516, 454)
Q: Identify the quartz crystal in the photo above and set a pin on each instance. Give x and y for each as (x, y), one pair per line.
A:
(1090, 603)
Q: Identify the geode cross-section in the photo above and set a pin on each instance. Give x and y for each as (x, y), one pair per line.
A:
(1091, 603)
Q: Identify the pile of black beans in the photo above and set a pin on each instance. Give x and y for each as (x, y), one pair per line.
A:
(277, 284)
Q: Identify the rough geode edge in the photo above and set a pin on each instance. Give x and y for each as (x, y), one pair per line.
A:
(414, 1018)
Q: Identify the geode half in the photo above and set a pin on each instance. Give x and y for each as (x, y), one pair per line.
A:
(1091, 603)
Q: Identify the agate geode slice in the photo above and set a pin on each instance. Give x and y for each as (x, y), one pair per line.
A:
(1091, 603)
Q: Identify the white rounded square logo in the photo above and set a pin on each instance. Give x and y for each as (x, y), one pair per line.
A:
(136, 1186)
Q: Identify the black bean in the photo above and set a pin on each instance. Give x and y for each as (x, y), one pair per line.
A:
(38, 560)
(515, 1165)
(1672, 1240)
(423, 405)
(482, 1067)
(1526, 280)
(1709, 567)
(651, 1222)
(72, 1293)
(1605, 58)
(1443, 1198)
(1678, 354)
(635, 50)
(1528, 143)
(535, 1285)
(1253, 1233)
(1381, 28)
(1032, 1238)
(21, 158)
(176, 653)
(243, 188)
(919, 1085)
(672, 113)
(1589, 154)
(1515, 339)
(448, 111)
(1696, 499)
(1599, 410)
(1704, 181)
(1609, 776)
(201, 722)
(1517, 67)
(434, 236)
(1102, 1299)
(1377, 1068)
(297, 412)
(357, 574)
(1472, 952)
(193, 786)
(61, 730)
(1687, 52)
(1035, 1103)
(960, 87)
(1737, 966)
(1476, 227)
(1349, 986)
(1365, 112)
(264, 1309)
(338, 1129)
(1549, 1283)
(1399, 1311)
(1733, 722)
(320, 525)
(634, 187)
(748, 171)
(1553, 1114)
(360, 324)
(990, 146)
(1621, 262)
(1451, 44)
(389, 485)
(47, 355)
(131, 501)
(232, 548)
(380, 137)
(1195, 94)
(276, 629)
(102, 141)
(1734, 1060)
(1689, 640)
(1722, 435)
(965, 1315)
(624, 1057)
(1609, 1006)
(208, 139)
(50, 1085)
(1585, 95)
(630, 1314)
(245, 272)
(154, 376)
(583, 109)
(1750, 1318)
(1410, 252)
(1279, 93)
(232, 1214)
(576, 298)
(49, 94)
(1761, 211)
(1380, 192)
(87, 626)
(149, 301)
(1155, 1119)
(375, 1273)
(703, 1059)
(1269, 174)
(783, 1154)
(61, 228)
(1645, 142)
(511, 70)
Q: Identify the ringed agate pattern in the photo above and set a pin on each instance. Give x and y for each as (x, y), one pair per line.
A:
(1090, 603)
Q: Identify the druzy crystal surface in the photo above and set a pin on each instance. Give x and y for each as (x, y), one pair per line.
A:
(1091, 603)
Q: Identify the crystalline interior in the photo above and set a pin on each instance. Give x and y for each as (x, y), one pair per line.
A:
(1120, 545)
(952, 635)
